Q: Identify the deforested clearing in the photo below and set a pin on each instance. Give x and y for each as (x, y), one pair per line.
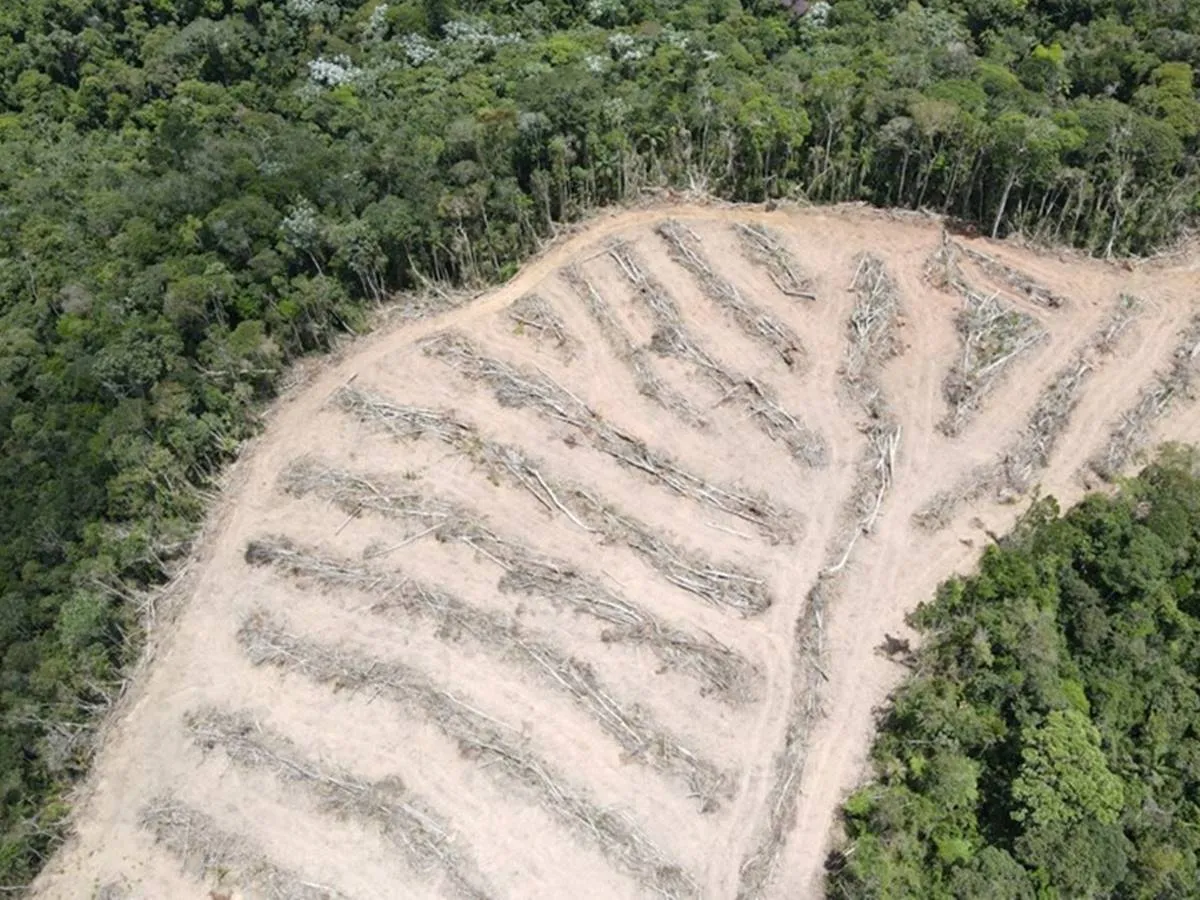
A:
(577, 590)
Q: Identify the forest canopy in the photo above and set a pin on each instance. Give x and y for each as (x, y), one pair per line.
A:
(194, 192)
(1048, 744)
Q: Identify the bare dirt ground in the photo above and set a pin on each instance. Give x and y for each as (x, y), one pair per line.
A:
(578, 590)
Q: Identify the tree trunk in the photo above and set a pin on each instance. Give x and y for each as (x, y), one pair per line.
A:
(1008, 186)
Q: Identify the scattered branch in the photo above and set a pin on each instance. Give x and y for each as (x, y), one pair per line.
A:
(496, 746)
(206, 851)
(765, 248)
(533, 314)
(671, 338)
(721, 671)
(755, 322)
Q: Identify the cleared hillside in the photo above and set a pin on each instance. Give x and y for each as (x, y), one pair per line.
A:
(578, 589)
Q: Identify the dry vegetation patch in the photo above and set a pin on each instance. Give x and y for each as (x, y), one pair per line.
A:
(213, 854)
(498, 748)
(993, 336)
(720, 670)
(756, 397)
(533, 315)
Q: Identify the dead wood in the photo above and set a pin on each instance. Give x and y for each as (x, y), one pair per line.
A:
(206, 851)
(642, 738)
(757, 398)
(1014, 278)
(518, 388)
(406, 820)
(763, 246)
(1132, 432)
(1013, 474)
(993, 337)
(755, 322)
(533, 315)
(720, 671)
(871, 344)
(872, 332)
(497, 747)
(635, 359)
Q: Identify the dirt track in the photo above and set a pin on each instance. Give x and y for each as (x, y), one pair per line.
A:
(622, 720)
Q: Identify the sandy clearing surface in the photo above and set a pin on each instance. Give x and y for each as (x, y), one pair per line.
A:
(562, 736)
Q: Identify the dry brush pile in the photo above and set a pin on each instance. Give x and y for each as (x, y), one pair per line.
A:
(720, 670)
(424, 838)
(1013, 474)
(634, 729)
(532, 314)
(1013, 277)
(758, 324)
(497, 748)
(993, 337)
(758, 399)
(636, 359)
(209, 852)
(765, 248)
(871, 343)
(521, 389)
(1132, 432)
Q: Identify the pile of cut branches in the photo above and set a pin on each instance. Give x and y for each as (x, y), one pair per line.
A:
(872, 331)
(533, 314)
(1132, 433)
(755, 322)
(720, 670)
(638, 735)
(993, 336)
(1014, 473)
(765, 248)
(417, 830)
(634, 358)
(207, 851)
(518, 388)
(496, 746)
(672, 338)
(1014, 278)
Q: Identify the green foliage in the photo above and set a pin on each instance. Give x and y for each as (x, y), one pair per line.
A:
(197, 192)
(1047, 744)
(1063, 777)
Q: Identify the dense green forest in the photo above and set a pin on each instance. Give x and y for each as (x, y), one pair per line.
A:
(193, 192)
(1048, 744)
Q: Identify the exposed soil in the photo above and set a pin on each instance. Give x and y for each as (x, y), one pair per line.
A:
(519, 700)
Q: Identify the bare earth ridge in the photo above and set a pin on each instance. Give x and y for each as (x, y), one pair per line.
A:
(578, 590)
